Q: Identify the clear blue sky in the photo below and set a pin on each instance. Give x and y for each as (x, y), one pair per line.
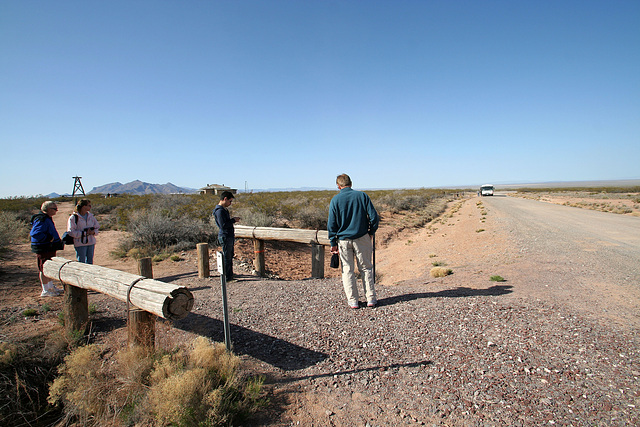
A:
(291, 93)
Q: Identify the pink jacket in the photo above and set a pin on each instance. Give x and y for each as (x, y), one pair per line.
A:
(76, 230)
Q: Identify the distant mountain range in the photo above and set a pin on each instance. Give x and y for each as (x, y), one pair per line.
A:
(138, 188)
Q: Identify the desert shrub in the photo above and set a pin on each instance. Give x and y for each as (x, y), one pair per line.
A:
(160, 257)
(137, 253)
(200, 385)
(157, 229)
(594, 190)
(312, 217)
(407, 202)
(12, 229)
(497, 278)
(24, 375)
(254, 218)
(184, 245)
(100, 208)
(440, 272)
(30, 312)
(93, 308)
(404, 200)
(21, 204)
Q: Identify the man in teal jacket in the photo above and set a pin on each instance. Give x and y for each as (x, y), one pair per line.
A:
(352, 222)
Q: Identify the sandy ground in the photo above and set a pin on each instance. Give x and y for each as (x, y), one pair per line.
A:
(466, 239)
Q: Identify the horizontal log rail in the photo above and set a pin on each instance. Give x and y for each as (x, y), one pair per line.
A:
(162, 299)
(318, 237)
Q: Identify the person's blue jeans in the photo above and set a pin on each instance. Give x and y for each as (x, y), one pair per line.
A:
(85, 253)
(227, 252)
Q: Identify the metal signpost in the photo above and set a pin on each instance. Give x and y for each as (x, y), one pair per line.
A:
(225, 306)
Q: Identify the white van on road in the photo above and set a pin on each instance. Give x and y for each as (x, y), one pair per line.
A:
(486, 190)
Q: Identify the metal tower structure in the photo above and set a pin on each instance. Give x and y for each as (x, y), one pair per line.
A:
(77, 185)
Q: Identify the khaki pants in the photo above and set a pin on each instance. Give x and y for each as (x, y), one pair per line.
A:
(360, 249)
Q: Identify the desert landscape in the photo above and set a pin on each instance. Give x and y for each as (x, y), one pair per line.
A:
(552, 340)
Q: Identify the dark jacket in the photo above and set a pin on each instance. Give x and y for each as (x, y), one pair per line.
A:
(224, 221)
(44, 236)
(351, 216)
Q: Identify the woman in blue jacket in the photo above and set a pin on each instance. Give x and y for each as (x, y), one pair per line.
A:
(45, 241)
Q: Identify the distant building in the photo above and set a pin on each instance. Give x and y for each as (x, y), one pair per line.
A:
(217, 189)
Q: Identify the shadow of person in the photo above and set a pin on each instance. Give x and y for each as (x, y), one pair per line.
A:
(459, 292)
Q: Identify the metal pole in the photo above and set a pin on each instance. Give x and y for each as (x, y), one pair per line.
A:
(373, 237)
(225, 306)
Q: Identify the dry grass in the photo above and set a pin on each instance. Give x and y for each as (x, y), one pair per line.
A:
(197, 385)
(25, 371)
(440, 272)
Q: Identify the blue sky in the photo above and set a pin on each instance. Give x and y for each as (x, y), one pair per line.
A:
(279, 94)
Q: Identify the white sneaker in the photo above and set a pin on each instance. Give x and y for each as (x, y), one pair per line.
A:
(49, 293)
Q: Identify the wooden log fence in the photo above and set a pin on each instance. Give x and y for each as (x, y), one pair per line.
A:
(165, 300)
(316, 238)
(319, 237)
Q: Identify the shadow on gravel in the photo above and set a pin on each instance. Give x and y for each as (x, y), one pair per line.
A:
(450, 293)
(168, 279)
(355, 371)
(274, 351)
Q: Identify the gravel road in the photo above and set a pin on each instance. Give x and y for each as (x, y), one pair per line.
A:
(557, 344)
(586, 258)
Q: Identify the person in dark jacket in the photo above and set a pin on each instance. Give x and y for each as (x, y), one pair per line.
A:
(226, 235)
(352, 222)
(45, 241)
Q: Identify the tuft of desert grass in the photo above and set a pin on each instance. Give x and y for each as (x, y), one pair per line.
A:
(440, 272)
(197, 385)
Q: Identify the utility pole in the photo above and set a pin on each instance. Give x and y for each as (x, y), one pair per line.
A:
(77, 185)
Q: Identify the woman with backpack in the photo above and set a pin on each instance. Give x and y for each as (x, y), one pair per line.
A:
(45, 241)
(83, 227)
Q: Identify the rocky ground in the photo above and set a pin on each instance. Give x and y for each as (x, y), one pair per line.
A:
(459, 350)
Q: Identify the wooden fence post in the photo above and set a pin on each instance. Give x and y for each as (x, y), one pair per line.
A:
(141, 328)
(317, 261)
(203, 260)
(76, 311)
(258, 262)
(145, 268)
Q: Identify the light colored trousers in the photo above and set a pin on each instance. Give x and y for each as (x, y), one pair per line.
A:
(360, 249)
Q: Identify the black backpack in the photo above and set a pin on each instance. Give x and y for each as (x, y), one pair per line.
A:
(68, 238)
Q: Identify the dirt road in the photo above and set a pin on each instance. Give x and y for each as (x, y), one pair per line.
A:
(586, 258)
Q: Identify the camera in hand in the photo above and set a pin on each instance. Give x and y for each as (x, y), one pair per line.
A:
(85, 236)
